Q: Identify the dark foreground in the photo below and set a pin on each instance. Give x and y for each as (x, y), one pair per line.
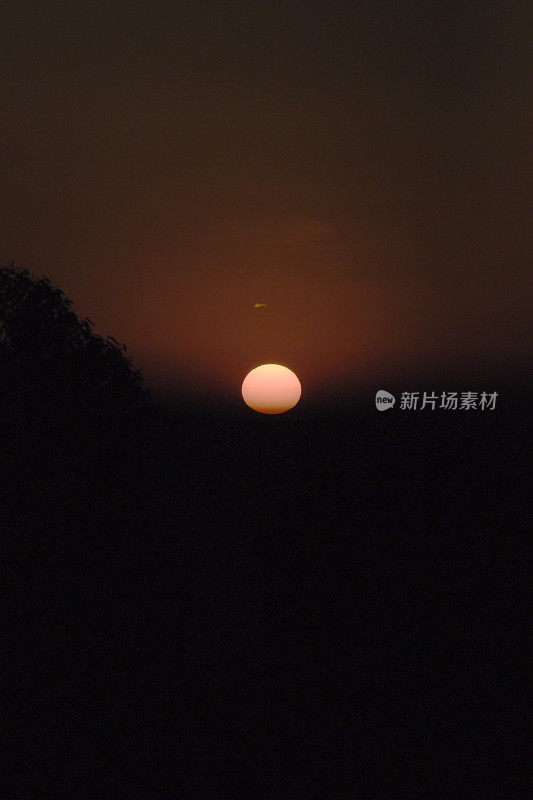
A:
(327, 607)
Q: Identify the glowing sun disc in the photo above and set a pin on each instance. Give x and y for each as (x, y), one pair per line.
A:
(271, 389)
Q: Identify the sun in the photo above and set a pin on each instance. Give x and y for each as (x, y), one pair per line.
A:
(271, 389)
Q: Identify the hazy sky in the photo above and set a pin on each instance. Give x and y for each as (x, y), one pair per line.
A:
(359, 167)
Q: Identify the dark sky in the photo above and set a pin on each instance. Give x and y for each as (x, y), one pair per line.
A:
(359, 167)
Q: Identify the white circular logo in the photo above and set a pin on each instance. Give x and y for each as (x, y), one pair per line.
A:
(384, 400)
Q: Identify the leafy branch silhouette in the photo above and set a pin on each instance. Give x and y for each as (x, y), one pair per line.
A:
(48, 354)
(74, 412)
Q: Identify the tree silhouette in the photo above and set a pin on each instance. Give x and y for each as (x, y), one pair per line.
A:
(75, 421)
(71, 403)
(48, 354)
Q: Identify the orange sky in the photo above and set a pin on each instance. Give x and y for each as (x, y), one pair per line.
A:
(360, 169)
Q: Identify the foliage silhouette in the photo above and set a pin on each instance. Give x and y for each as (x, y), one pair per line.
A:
(48, 354)
(72, 405)
(76, 423)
